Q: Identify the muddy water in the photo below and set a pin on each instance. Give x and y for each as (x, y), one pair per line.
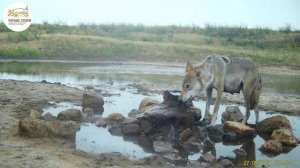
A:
(111, 77)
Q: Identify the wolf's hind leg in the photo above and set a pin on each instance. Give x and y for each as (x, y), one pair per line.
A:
(256, 115)
(247, 105)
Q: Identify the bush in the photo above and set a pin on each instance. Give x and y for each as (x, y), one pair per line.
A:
(286, 29)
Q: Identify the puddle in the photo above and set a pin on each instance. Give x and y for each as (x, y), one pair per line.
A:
(59, 107)
(98, 140)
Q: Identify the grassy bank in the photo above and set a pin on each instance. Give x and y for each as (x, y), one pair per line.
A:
(138, 42)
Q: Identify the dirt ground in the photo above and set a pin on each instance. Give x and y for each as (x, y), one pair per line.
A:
(17, 97)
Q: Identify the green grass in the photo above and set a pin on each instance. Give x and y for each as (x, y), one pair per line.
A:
(21, 53)
(158, 43)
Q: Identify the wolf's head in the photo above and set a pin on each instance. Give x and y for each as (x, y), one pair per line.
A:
(195, 82)
(192, 84)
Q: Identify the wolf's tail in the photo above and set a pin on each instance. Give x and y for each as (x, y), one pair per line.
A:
(254, 98)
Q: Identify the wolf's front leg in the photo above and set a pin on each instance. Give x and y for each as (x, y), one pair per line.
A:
(217, 105)
(207, 116)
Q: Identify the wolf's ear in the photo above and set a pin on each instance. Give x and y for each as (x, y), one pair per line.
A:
(189, 67)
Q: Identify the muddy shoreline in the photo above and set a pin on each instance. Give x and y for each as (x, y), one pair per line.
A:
(17, 97)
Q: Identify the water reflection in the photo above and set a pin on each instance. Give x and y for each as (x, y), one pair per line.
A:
(281, 84)
(81, 73)
(98, 140)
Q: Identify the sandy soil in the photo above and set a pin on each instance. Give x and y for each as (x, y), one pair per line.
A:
(17, 97)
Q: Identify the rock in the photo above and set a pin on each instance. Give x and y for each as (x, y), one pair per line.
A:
(195, 138)
(114, 118)
(88, 111)
(268, 125)
(88, 116)
(203, 133)
(101, 122)
(174, 159)
(34, 114)
(170, 133)
(92, 119)
(240, 153)
(230, 136)
(208, 143)
(162, 147)
(36, 128)
(178, 115)
(185, 135)
(200, 164)
(115, 129)
(232, 113)
(89, 87)
(147, 127)
(147, 103)
(48, 117)
(97, 90)
(131, 129)
(238, 128)
(154, 160)
(44, 81)
(93, 100)
(70, 114)
(192, 147)
(272, 146)
(133, 113)
(209, 158)
(226, 163)
(161, 115)
(215, 133)
(284, 136)
(130, 121)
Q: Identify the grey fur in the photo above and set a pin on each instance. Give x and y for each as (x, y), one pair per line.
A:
(230, 75)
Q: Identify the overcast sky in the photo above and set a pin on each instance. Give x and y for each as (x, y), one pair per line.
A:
(251, 13)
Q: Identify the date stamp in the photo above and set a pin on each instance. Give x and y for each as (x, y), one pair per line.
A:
(272, 163)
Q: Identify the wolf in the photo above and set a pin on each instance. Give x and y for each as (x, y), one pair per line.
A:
(225, 74)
